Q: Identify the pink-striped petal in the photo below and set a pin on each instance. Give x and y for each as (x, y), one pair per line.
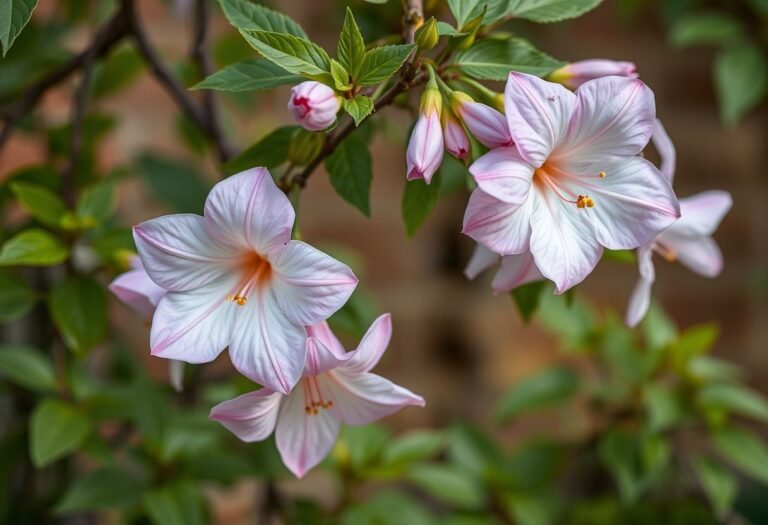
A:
(251, 417)
(371, 347)
(501, 227)
(516, 270)
(702, 213)
(482, 258)
(666, 149)
(640, 299)
(503, 174)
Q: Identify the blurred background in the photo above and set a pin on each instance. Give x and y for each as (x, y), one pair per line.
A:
(455, 342)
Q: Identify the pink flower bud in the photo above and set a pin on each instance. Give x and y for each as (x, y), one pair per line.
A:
(314, 105)
(485, 123)
(456, 140)
(575, 74)
(425, 149)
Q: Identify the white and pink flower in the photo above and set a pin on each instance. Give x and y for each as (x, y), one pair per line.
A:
(336, 387)
(577, 73)
(236, 279)
(487, 125)
(455, 138)
(425, 147)
(573, 183)
(514, 271)
(314, 105)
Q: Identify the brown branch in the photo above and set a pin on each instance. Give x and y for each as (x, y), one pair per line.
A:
(109, 35)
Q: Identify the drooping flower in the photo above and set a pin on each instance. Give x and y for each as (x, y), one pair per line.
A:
(336, 387)
(487, 125)
(425, 147)
(456, 140)
(141, 294)
(577, 73)
(314, 105)
(688, 240)
(573, 183)
(515, 270)
(236, 279)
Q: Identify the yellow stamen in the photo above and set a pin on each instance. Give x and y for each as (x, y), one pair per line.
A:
(585, 201)
(255, 270)
(602, 174)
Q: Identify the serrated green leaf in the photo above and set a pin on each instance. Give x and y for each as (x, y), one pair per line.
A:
(40, 202)
(340, 75)
(706, 27)
(107, 488)
(465, 10)
(178, 504)
(493, 59)
(547, 11)
(177, 184)
(291, 53)
(14, 15)
(79, 310)
(719, 484)
(28, 367)
(351, 47)
(527, 298)
(349, 168)
(736, 399)
(741, 81)
(358, 108)
(245, 14)
(447, 484)
(744, 450)
(16, 297)
(96, 204)
(56, 430)
(380, 63)
(33, 247)
(544, 389)
(270, 152)
(253, 74)
(419, 198)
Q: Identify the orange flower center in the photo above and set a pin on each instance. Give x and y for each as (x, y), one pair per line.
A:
(256, 271)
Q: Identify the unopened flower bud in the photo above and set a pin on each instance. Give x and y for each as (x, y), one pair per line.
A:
(314, 105)
(427, 35)
(455, 138)
(575, 74)
(425, 148)
(485, 123)
(304, 147)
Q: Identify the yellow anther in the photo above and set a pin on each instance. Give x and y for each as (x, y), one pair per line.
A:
(584, 201)
(308, 410)
(602, 174)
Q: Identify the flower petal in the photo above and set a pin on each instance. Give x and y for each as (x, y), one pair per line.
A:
(702, 213)
(562, 242)
(324, 333)
(248, 210)
(516, 270)
(359, 399)
(371, 347)
(321, 358)
(304, 439)
(698, 254)
(666, 150)
(538, 113)
(193, 326)
(489, 126)
(251, 417)
(503, 174)
(641, 295)
(310, 285)
(425, 148)
(501, 227)
(633, 203)
(176, 374)
(138, 291)
(266, 346)
(613, 118)
(178, 254)
(482, 258)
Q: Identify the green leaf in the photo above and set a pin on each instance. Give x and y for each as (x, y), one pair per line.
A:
(658, 329)
(385, 507)
(245, 14)
(619, 451)
(544, 389)
(527, 298)
(270, 152)
(340, 76)
(473, 450)
(621, 256)
(694, 341)
(177, 504)
(664, 407)
(547, 11)
(27, 367)
(350, 171)
(719, 484)
(176, 183)
(447, 484)
(56, 430)
(351, 47)
(419, 198)
(96, 204)
(14, 15)
(358, 108)
(364, 444)
(16, 297)
(40, 202)
(741, 81)
(79, 309)
(446, 29)
(117, 72)
(380, 63)
(253, 74)
(736, 399)
(745, 450)
(107, 488)
(493, 59)
(293, 54)
(33, 247)
(706, 27)
(414, 446)
(465, 10)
